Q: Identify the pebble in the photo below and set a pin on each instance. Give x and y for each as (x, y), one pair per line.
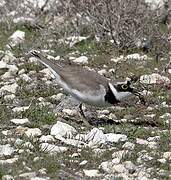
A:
(20, 121)
(61, 129)
(70, 112)
(6, 150)
(7, 177)
(17, 37)
(91, 172)
(12, 88)
(115, 138)
(128, 146)
(52, 149)
(81, 60)
(154, 79)
(33, 132)
(47, 138)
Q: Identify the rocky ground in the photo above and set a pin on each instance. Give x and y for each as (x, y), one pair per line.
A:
(43, 136)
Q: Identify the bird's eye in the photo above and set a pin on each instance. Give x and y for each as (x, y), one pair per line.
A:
(124, 86)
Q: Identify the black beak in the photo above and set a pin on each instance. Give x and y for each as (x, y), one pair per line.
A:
(140, 96)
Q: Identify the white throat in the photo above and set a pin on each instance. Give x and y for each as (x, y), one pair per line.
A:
(119, 95)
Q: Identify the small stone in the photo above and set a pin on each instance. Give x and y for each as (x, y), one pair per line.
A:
(47, 138)
(167, 155)
(81, 60)
(28, 175)
(119, 168)
(33, 132)
(128, 146)
(7, 177)
(70, 112)
(57, 97)
(16, 38)
(115, 138)
(22, 71)
(8, 161)
(61, 129)
(12, 88)
(116, 161)
(25, 77)
(6, 150)
(137, 56)
(52, 149)
(106, 166)
(20, 121)
(130, 166)
(9, 97)
(20, 109)
(102, 72)
(91, 173)
(83, 162)
(154, 79)
(141, 141)
(119, 154)
(95, 137)
(162, 160)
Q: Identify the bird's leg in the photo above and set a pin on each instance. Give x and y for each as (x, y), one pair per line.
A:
(85, 119)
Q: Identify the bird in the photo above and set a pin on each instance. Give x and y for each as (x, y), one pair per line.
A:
(88, 86)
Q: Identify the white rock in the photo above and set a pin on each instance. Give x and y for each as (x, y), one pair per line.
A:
(17, 37)
(7, 177)
(155, 138)
(9, 97)
(28, 175)
(73, 142)
(3, 65)
(12, 88)
(106, 166)
(70, 112)
(167, 155)
(118, 59)
(95, 137)
(91, 173)
(47, 138)
(137, 56)
(115, 138)
(166, 115)
(57, 97)
(155, 4)
(20, 121)
(20, 109)
(81, 60)
(162, 160)
(61, 129)
(9, 57)
(52, 149)
(102, 72)
(129, 165)
(40, 178)
(22, 71)
(119, 168)
(33, 132)
(9, 161)
(7, 75)
(141, 141)
(154, 79)
(116, 161)
(6, 150)
(25, 77)
(72, 40)
(2, 3)
(48, 73)
(128, 146)
(119, 154)
(13, 69)
(83, 162)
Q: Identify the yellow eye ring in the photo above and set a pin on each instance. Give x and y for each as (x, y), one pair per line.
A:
(124, 86)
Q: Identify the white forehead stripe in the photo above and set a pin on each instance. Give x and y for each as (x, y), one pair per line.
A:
(119, 95)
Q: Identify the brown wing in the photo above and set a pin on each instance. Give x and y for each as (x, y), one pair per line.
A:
(82, 79)
(75, 76)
